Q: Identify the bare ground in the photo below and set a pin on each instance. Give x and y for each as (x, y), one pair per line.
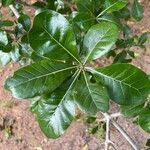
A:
(27, 134)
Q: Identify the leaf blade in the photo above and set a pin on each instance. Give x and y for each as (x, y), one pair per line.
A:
(126, 84)
(43, 76)
(52, 36)
(91, 97)
(99, 40)
(56, 111)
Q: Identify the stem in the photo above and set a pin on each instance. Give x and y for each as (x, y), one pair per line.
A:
(14, 10)
(107, 137)
(110, 119)
(115, 115)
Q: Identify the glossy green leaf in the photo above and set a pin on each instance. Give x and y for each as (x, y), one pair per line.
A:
(148, 77)
(137, 10)
(7, 2)
(110, 18)
(4, 58)
(132, 111)
(39, 5)
(86, 6)
(3, 38)
(123, 14)
(148, 143)
(15, 55)
(143, 38)
(25, 21)
(99, 40)
(144, 120)
(83, 20)
(91, 96)
(126, 31)
(121, 57)
(38, 78)
(56, 111)
(55, 115)
(6, 23)
(52, 36)
(114, 5)
(126, 84)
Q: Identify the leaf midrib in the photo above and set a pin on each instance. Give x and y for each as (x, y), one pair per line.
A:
(105, 10)
(90, 90)
(61, 45)
(41, 76)
(114, 79)
(75, 78)
(86, 59)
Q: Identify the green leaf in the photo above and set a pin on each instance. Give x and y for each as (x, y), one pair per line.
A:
(110, 18)
(90, 119)
(132, 111)
(143, 38)
(3, 38)
(121, 57)
(6, 23)
(52, 36)
(55, 115)
(113, 5)
(4, 58)
(91, 97)
(39, 5)
(144, 120)
(123, 14)
(126, 84)
(99, 40)
(86, 6)
(15, 55)
(83, 20)
(126, 31)
(56, 111)
(7, 2)
(38, 78)
(25, 21)
(148, 143)
(137, 10)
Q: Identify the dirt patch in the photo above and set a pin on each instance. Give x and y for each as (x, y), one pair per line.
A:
(26, 134)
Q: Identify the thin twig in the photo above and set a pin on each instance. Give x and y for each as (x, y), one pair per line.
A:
(109, 118)
(14, 10)
(107, 136)
(126, 136)
(114, 115)
(108, 142)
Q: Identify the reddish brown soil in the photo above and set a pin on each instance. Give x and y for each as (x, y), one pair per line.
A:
(27, 134)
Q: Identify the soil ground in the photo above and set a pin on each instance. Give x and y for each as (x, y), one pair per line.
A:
(26, 134)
